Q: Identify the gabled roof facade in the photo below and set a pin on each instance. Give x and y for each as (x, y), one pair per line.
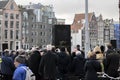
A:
(6, 4)
(3, 4)
(79, 21)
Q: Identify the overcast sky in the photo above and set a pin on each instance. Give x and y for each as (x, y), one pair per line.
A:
(66, 9)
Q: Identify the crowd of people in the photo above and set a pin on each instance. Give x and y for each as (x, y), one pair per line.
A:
(54, 63)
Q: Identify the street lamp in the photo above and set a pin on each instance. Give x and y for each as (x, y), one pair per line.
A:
(87, 39)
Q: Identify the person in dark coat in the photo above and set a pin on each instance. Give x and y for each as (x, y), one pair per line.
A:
(82, 52)
(33, 63)
(92, 66)
(112, 64)
(7, 66)
(63, 63)
(78, 65)
(48, 65)
(110, 49)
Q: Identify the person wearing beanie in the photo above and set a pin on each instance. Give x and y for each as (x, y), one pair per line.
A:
(19, 73)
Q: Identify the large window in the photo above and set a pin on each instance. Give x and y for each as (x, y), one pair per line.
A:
(11, 24)
(6, 24)
(11, 45)
(32, 40)
(12, 7)
(25, 16)
(11, 34)
(6, 32)
(11, 16)
(17, 16)
(0, 23)
(6, 15)
(17, 24)
(17, 34)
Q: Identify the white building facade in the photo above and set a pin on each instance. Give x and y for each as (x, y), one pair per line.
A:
(10, 25)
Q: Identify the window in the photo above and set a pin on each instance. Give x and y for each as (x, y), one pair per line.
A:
(32, 40)
(41, 33)
(11, 45)
(25, 16)
(50, 21)
(32, 26)
(106, 38)
(44, 41)
(17, 45)
(17, 16)
(0, 30)
(33, 19)
(26, 39)
(17, 34)
(106, 32)
(12, 6)
(11, 34)
(44, 26)
(6, 24)
(11, 24)
(6, 15)
(35, 33)
(6, 32)
(0, 22)
(11, 16)
(24, 25)
(41, 26)
(32, 33)
(17, 24)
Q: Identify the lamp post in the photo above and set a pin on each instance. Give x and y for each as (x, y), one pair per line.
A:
(87, 39)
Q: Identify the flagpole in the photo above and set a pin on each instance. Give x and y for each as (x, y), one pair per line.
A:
(87, 42)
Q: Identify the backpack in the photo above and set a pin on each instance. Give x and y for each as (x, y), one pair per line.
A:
(29, 74)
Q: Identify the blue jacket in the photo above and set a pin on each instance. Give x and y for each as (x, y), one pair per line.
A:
(19, 73)
(7, 65)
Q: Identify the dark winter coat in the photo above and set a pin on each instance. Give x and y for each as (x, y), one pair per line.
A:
(34, 61)
(92, 66)
(78, 65)
(7, 65)
(112, 64)
(48, 65)
(63, 62)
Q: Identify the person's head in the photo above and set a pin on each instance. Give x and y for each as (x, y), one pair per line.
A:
(53, 48)
(33, 49)
(97, 50)
(49, 47)
(21, 51)
(102, 48)
(90, 55)
(78, 47)
(19, 60)
(109, 46)
(62, 49)
(6, 52)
